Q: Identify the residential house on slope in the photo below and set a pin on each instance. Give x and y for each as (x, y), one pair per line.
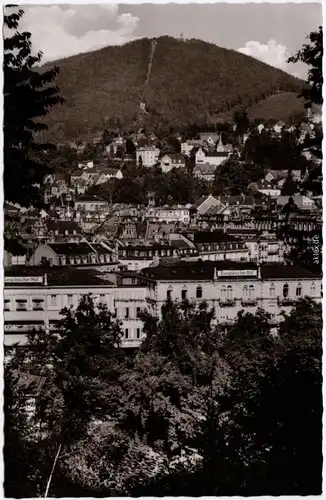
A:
(90, 203)
(211, 138)
(205, 203)
(188, 146)
(211, 157)
(204, 171)
(172, 160)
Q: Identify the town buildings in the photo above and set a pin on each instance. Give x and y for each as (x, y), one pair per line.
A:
(34, 296)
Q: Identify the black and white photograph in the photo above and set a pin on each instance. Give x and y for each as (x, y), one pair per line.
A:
(162, 254)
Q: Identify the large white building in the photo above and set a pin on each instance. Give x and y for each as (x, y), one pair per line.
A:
(148, 154)
(34, 298)
(229, 287)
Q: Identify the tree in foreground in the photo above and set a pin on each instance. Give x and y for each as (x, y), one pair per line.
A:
(29, 93)
(79, 365)
(312, 55)
(270, 442)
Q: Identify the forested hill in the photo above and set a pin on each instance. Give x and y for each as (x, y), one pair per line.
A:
(190, 81)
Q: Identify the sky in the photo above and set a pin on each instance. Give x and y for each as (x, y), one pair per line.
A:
(269, 32)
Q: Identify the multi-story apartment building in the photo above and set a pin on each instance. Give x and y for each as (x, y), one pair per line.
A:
(34, 298)
(229, 287)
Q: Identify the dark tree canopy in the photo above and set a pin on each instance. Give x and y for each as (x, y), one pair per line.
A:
(312, 55)
(28, 96)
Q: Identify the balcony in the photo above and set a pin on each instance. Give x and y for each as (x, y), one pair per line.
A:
(285, 301)
(249, 302)
(227, 302)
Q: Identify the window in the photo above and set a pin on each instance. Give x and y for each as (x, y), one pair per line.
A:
(285, 290)
(126, 333)
(251, 291)
(169, 293)
(298, 291)
(199, 292)
(313, 289)
(245, 291)
(38, 304)
(223, 292)
(53, 300)
(138, 333)
(102, 298)
(115, 313)
(137, 311)
(70, 299)
(127, 313)
(21, 304)
(7, 305)
(184, 294)
(229, 292)
(272, 290)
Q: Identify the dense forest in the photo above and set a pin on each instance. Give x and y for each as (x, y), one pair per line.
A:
(189, 79)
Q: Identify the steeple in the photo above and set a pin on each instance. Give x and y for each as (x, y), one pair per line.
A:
(220, 146)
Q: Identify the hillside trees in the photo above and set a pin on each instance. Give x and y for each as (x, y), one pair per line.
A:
(234, 176)
(242, 123)
(28, 96)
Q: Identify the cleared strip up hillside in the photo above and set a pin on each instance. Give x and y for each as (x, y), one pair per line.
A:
(191, 81)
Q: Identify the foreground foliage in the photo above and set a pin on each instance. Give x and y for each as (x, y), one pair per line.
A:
(198, 409)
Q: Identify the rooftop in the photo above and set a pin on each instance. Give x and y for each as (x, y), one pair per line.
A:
(58, 276)
(212, 237)
(204, 271)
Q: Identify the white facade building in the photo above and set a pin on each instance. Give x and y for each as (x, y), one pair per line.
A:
(36, 301)
(230, 287)
(148, 154)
